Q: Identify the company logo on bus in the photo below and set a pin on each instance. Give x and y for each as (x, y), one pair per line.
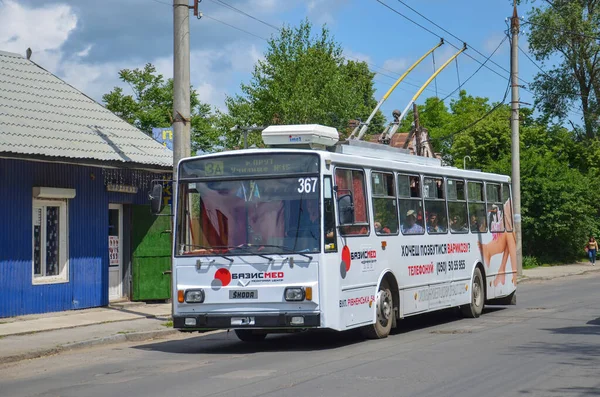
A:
(372, 254)
(262, 276)
(224, 276)
(346, 260)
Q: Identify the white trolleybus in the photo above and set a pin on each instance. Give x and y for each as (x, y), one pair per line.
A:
(316, 233)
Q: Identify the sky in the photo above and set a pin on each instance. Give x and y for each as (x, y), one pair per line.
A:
(87, 42)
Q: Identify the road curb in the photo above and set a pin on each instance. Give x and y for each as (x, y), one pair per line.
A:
(150, 316)
(525, 279)
(112, 339)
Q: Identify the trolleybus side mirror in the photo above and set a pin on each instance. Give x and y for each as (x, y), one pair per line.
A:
(346, 209)
(156, 201)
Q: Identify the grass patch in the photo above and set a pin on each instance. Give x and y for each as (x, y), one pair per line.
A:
(168, 324)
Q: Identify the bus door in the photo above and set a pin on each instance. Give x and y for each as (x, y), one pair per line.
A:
(436, 225)
(358, 280)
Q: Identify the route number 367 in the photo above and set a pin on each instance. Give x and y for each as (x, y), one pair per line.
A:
(307, 185)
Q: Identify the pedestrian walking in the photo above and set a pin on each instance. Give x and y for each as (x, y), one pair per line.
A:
(591, 248)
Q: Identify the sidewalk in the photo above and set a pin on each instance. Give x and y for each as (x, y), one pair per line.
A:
(34, 336)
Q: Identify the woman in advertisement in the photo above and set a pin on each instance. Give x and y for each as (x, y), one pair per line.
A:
(502, 243)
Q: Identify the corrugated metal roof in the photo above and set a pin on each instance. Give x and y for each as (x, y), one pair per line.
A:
(42, 115)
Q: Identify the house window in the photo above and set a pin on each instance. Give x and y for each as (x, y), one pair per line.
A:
(50, 241)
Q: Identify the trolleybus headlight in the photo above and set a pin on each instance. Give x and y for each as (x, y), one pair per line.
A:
(294, 294)
(194, 296)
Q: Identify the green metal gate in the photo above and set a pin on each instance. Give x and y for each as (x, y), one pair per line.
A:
(151, 254)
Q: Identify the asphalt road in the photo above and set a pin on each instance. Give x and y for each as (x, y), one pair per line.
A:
(548, 345)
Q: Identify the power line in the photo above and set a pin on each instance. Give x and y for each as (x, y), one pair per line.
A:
(450, 33)
(234, 27)
(226, 5)
(487, 114)
(567, 32)
(546, 74)
(437, 35)
(476, 71)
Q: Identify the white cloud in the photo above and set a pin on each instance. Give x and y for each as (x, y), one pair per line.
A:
(44, 30)
(397, 65)
(323, 11)
(493, 41)
(357, 56)
(85, 52)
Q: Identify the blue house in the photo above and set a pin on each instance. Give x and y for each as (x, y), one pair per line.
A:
(71, 177)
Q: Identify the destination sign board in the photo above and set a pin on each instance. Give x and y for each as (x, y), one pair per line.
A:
(250, 165)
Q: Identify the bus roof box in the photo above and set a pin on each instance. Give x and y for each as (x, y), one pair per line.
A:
(303, 136)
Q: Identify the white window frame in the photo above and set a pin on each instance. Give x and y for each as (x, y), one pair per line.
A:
(63, 241)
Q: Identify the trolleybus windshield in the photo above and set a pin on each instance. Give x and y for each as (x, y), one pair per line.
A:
(263, 204)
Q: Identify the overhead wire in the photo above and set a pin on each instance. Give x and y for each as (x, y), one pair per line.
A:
(451, 34)
(235, 27)
(474, 73)
(227, 5)
(567, 32)
(437, 35)
(487, 114)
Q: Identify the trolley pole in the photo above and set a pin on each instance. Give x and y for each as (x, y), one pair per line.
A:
(181, 82)
(516, 164)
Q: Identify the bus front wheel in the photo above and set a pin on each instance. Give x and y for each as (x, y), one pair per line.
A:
(474, 309)
(248, 335)
(384, 308)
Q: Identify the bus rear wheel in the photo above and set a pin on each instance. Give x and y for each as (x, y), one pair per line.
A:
(384, 308)
(249, 335)
(474, 309)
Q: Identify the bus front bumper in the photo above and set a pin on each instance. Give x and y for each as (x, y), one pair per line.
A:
(247, 320)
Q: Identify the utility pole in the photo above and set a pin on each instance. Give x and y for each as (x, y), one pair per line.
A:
(417, 127)
(181, 82)
(514, 124)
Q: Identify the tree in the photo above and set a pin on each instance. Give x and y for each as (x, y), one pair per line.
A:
(151, 106)
(569, 30)
(303, 79)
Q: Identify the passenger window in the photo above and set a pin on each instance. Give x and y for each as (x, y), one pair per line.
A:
(385, 211)
(329, 216)
(507, 204)
(351, 200)
(435, 205)
(410, 204)
(477, 213)
(495, 209)
(457, 206)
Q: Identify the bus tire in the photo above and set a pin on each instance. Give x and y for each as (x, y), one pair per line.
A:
(249, 335)
(384, 308)
(474, 309)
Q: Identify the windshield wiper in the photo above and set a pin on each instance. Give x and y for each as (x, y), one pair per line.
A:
(211, 249)
(288, 250)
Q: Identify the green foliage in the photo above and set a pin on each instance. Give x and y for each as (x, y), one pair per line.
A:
(151, 105)
(303, 79)
(530, 262)
(567, 30)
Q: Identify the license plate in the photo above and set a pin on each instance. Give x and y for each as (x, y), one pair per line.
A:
(243, 294)
(242, 321)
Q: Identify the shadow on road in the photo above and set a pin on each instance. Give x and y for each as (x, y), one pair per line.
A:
(312, 340)
(592, 327)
